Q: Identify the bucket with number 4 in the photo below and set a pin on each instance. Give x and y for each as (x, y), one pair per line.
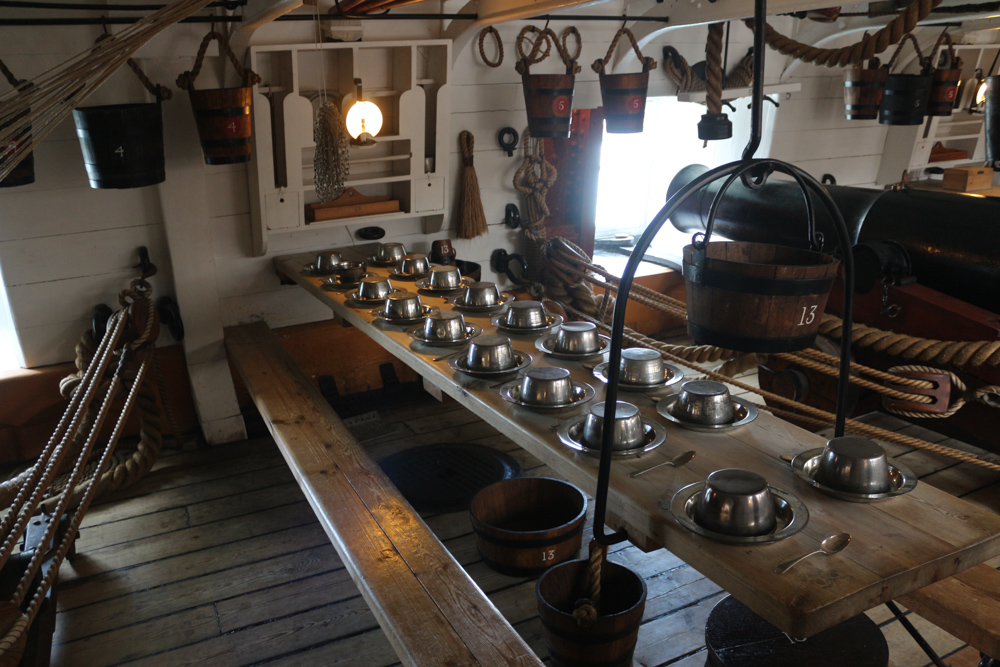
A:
(222, 114)
(624, 95)
(548, 98)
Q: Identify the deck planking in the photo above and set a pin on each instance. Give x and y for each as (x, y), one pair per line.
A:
(213, 559)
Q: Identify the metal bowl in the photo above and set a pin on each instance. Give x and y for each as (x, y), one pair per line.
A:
(901, 479)
(641, 366)
(570, 434)
(546, 386)
(704, 402)
(444, 278)
(542, 398)
(444, 326)
(326, 262)
(736, 502)
(490, 353)
(351, 272)
(578, 338)
(389, 253)
(790, 514)
(525, 315)
(670, 375)
(854, 465)
(627, 429)
(413, 265)
(403, 306)
(480, 295)
(547, 344)
(743, 413)
(374, 287)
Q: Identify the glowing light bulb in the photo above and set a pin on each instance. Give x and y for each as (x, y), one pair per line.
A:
(364, 118)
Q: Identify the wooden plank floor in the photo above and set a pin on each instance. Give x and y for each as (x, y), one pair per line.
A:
(215, 558)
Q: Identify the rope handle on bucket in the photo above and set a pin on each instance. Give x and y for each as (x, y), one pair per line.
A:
(185, 80)
(924, 62)
(647, 62)
(954, 62)
(162, 93)
(532, 58)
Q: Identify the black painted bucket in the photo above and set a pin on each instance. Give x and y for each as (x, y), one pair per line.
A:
(122, 144)
(904, 101)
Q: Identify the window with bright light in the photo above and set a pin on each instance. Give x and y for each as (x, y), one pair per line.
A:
(636, 169)
(10, 348)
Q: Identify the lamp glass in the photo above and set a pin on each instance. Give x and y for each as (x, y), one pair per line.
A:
(981, 94)
(364, 117)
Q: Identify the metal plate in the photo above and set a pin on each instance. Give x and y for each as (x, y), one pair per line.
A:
(417, 334)
(901, 479)
(379, 314)
(570, 434)
(790, 512)
(523, 361)
(582, 393)
(547, 345)
(551, 321)
(424, 284)
(505, 298)
(743, 413)
(354, 302)
(671, 375)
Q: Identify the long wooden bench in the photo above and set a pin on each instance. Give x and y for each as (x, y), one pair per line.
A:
(429, 608)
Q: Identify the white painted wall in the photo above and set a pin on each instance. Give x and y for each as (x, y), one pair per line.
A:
(65, 247)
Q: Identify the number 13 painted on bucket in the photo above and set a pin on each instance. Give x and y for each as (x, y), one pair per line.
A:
(807, 317)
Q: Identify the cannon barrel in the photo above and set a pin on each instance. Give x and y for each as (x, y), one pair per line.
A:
(949, 237)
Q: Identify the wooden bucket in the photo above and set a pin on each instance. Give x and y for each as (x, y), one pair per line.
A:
(122, 144)
(222, 114)
(944, 82)
(863, 91)
(610, 641)
(548, 99)
(524, 526)
(756, 297)
(223, 118)
(904, 101)
(624, 95)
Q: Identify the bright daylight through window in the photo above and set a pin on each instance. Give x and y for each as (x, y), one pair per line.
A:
(10, 348)
(636, 169)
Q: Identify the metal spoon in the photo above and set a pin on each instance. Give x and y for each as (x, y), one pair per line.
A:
(829, 546)
(676, 462)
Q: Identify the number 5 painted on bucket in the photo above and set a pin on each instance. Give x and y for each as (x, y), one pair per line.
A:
(807, 318)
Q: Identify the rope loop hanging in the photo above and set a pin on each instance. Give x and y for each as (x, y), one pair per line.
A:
(567, 33)
(160, 92)
(185, 80)
(600, 65)
(551, 40)
(858, 52)
(522, 37)
(954, 62)
(482, 48)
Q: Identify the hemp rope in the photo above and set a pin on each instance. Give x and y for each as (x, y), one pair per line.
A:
(185, 80)
(588, 609)
(331, 163)
(471, 217)
(600, 64)
(854, 54)
(533, 179)
(819, 415)
(571, 30)
(713, 68)
(161, 93)
(482, 49)
(681, 74)
(522, 37)
(11, 79)
(924, 62)
(522, 66)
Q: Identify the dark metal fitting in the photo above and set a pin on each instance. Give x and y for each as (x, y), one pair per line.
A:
(714, 127)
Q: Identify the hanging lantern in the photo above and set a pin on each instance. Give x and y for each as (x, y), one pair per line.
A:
(364, 120)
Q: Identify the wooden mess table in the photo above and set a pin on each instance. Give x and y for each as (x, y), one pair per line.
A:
(898, 546)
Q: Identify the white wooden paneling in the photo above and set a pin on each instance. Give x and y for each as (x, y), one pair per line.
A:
(51, 343)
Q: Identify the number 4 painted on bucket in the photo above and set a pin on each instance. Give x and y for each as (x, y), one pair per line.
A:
(120, 151)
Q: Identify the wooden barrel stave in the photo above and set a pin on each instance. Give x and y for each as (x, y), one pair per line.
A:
(224, 123)
(524, 526)
(610, 641)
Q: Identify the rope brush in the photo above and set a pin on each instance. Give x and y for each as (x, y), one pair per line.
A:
(471, 218)
(330, 162)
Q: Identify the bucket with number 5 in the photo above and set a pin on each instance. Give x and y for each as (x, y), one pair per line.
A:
(222, 114)
(526, 525)
(624, 95)
(122, 144)
(548, 98)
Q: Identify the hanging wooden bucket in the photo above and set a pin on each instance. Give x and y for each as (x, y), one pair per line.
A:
(610, 640)
(526, 525)
(756, 297)
(122, 144)
(863, 90)
(548, 98)
(944, 82)
(223, 118)
(624, 95)
(222, 114)
(904, 101)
